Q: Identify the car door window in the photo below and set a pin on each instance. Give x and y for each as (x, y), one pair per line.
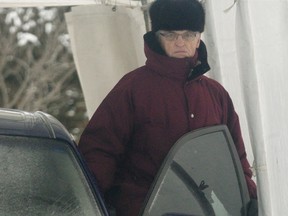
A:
(42, 177)
(202, 175)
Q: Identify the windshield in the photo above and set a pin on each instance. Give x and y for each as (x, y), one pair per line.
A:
(42, 177)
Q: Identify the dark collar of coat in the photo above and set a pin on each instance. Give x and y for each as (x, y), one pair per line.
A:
(202, 65)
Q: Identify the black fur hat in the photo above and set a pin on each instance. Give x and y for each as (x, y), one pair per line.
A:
(177, 15)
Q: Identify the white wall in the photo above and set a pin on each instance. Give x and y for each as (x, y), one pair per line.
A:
(106, 44)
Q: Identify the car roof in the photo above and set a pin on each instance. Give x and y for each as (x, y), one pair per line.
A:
(37, 124)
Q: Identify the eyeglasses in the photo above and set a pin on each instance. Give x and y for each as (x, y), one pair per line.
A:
(172, 36)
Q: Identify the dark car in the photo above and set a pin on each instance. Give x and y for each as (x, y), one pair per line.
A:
(42, 173)
(41, 170)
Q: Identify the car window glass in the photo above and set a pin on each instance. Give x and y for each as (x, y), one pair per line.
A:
(202, 175)
(42, 177)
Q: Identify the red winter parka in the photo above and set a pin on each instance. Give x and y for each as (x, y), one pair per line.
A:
(148, 110)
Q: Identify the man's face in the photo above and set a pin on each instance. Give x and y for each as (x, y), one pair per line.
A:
(179, 44)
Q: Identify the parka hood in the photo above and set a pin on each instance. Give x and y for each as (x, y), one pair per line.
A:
(181, 68)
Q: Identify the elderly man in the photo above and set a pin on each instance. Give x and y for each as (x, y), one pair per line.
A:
(151, 107)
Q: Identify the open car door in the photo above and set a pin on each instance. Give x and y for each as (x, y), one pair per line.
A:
(202, 175)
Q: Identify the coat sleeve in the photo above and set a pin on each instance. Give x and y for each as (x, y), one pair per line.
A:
(104, 140)
(232, 122)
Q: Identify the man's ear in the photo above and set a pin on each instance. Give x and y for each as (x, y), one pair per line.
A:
(199, 39)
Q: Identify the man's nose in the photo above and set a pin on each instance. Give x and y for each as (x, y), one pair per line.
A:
(179, 40)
